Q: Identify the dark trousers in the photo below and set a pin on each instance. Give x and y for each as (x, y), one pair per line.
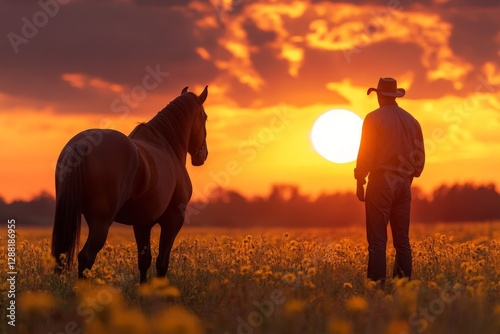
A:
(388, 199)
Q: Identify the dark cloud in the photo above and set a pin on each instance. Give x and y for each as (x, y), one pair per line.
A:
(365, 65)
(473, 36)
(111, 41)
(162, 3)
(116, 40)
(280, 87)
(404, 4)
(256, 36)
(473, 3)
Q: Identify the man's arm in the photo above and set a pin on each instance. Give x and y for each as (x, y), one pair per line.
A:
(366, 151)
(420, 156)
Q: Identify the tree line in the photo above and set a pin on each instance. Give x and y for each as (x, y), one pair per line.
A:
(286, 206)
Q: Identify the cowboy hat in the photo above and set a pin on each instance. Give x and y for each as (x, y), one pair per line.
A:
(387, 87)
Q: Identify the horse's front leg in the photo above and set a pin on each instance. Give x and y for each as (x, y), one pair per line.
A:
(143, 240)
(170, 223)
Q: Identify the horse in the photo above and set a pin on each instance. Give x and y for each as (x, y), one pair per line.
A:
(139, 180)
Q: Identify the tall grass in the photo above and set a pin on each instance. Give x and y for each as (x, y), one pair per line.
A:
(264, 281)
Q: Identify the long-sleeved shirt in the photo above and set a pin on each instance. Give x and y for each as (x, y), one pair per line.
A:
(391, 140)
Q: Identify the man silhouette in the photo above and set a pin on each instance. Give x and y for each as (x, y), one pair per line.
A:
(392, 153)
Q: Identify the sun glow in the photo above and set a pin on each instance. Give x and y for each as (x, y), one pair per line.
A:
(336, 135)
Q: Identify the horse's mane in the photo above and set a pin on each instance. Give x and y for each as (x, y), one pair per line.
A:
(173, 121)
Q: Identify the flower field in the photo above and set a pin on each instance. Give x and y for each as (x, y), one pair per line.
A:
(262, 281)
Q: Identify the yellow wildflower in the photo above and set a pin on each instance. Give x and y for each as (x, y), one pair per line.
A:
(289, 278)
(128, 321)
(176, 320)
(258, 272)
(294, 306)
(311, 272)
(398, 326)
(432, 285)
(48, 260)
(339, 326)
(88, 273)
(245, 269)
(356, 304)
(36, 301)
(159, 287)
(347, 286)
(99, 281)
(370, 285)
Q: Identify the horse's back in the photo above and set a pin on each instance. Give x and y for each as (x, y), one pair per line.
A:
(125, 178)
(108, 162)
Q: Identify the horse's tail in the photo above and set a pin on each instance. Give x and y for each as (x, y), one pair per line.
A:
(67, 220)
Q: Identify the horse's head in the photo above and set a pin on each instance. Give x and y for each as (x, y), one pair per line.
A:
(197, 147)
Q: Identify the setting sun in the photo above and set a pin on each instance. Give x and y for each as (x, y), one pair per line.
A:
(336, 135)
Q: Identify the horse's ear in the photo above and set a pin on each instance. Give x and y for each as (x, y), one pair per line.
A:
(184, 90)
(203, 95)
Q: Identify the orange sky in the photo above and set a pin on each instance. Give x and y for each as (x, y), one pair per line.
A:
(272, 68)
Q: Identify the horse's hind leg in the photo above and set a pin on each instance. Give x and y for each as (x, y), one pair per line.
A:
(171, 223)
(98, 233)
(143, 240)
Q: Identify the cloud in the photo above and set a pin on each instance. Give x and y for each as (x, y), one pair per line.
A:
(257, 53)
(82, 81)
(406, 41)
(111, 41)
(475, 35)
